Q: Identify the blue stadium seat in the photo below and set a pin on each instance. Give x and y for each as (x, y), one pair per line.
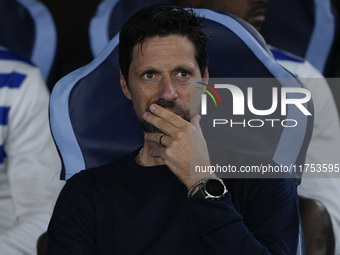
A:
(27, 29)
(109, 18)
(91, 120)
(306, 28)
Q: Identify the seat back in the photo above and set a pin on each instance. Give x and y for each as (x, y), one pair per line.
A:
(306, 28)
(110, 16)
(91, 120)
(27, 29)
(246, 56)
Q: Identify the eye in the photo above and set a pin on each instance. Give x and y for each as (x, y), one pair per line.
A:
(183, 74)
(148, 76)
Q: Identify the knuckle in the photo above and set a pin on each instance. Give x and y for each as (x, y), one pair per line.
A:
(161, 124)
(182, 135)
(171, 117)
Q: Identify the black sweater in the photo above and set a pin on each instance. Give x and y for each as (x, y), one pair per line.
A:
(124, 208)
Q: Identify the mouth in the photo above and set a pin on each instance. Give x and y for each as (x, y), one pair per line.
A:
(178, 109)
(171, 110)
(177, 113)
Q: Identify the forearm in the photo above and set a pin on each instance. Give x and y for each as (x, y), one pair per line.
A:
(262, 229)
(223, 230)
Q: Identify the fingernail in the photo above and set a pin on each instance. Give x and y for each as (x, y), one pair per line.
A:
(146, 115)
(153, 107)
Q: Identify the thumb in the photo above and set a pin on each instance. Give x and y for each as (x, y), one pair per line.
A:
(195, 121)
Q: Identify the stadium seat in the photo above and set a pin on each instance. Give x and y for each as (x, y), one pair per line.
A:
(27, 29)
(306, 28)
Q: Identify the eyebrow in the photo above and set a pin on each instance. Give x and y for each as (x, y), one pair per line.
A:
(176, 69)
(148, 70)
(184, 68)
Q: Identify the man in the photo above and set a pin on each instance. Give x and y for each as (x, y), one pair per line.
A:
(29, 162)
(147, 202)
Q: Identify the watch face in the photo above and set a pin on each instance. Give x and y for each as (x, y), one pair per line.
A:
(214, 187)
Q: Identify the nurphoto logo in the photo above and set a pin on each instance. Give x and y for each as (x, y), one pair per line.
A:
(287, 96)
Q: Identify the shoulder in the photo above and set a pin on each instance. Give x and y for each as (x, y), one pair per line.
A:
(21, 76)
(5, 54)
(10, 62)
(300, 67)
(90, 189)
(112, 173)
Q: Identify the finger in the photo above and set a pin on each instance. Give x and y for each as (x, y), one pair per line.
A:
(159, 138)
(195, 121)
(167, 115)
(163, 125)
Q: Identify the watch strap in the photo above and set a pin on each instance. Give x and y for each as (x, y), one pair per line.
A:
(199, 183)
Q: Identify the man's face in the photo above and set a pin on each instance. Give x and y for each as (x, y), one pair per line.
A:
(252, 11)
(160, 72)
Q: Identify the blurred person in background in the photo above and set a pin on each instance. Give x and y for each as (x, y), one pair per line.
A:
(29, 162)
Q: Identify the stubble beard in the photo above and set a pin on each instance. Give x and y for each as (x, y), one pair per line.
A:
(183, 111)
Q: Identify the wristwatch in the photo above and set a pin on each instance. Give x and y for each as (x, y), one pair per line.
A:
(211, 188)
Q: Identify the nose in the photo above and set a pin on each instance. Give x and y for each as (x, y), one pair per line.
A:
(167, 91)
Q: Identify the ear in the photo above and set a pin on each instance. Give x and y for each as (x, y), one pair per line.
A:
(124, 86)
(206, 75)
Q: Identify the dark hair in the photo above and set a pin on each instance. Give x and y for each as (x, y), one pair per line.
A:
(161, 20)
